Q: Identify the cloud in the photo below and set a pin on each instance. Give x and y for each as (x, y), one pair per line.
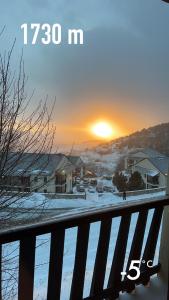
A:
(125, 55)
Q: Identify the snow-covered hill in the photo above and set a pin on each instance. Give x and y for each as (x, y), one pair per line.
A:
(156, 137)
(104, 157)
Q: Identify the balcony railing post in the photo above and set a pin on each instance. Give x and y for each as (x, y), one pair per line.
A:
(167, 186)
(164, 247)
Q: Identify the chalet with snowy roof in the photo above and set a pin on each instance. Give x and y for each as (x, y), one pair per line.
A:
(47, 173)
(138, 155)
(154, 171)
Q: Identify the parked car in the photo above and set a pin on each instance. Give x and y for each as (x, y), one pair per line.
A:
(107, 177)
(80, 188)
(108, 189)
(91, 190)
(85, 182)
(78, 180)
(93, 182)
(99, 188)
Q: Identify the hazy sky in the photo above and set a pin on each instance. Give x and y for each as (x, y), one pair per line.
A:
(120, 74)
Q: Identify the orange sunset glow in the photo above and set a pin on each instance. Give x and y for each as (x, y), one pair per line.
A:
(79, 131)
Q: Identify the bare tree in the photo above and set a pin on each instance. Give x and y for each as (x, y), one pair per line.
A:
(25, 131)
(26, 134)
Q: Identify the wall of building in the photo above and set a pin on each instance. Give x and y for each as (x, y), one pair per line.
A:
(46, 184)
(162, 180)
(38, 183)
(145, 166)
(69, 182)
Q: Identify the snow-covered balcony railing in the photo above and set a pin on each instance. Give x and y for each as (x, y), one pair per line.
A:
(141, 249)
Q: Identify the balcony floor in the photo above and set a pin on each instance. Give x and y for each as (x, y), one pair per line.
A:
(156, 291)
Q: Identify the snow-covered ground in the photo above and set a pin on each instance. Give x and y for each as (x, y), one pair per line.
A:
(43, 242)
(37, 200)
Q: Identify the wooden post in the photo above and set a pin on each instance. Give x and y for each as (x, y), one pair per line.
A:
(146, 181)
(167, 187)
(164, 247)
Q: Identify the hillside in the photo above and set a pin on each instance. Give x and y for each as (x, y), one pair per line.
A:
(108, 157)
(156, 137)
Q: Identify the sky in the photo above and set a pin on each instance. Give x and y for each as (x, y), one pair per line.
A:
(120, 74)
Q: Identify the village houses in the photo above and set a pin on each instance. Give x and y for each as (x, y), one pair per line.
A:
(45, 173)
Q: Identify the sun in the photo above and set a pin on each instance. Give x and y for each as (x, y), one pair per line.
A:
(102, 129)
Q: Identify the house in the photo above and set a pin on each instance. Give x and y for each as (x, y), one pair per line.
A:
(48, 173)
(138, 155)
(79, 166)
(154, 171)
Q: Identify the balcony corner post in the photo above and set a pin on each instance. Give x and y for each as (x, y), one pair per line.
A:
(164, 247)
(167, 185)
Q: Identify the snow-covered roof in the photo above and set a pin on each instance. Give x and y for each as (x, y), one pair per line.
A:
(33, 164)
(76, 160)
(152, 173)
(161, 165)
(145, 153)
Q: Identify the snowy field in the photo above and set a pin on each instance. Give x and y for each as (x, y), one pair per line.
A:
(43, 242)
(93, 200)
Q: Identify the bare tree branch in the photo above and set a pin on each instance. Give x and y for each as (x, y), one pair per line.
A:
(24, 129)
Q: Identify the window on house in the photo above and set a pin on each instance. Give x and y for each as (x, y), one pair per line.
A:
(45, 191)
(35, 179)
(45, 179)
(153, 180)
(25, 181)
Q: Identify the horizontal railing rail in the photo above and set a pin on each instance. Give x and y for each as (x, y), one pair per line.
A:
(68, 221)
(117, 282)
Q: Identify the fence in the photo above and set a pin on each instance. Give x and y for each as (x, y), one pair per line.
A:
(116, 283)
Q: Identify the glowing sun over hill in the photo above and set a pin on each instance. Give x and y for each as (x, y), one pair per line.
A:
(102, 129)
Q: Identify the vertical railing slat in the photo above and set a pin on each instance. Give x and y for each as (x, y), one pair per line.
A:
(164, 252)
(26, 268)
(0, 271)
(80, 262)
(101, 258)
(150, 247)
(136, 247)
(119, 256)
(55, 264)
